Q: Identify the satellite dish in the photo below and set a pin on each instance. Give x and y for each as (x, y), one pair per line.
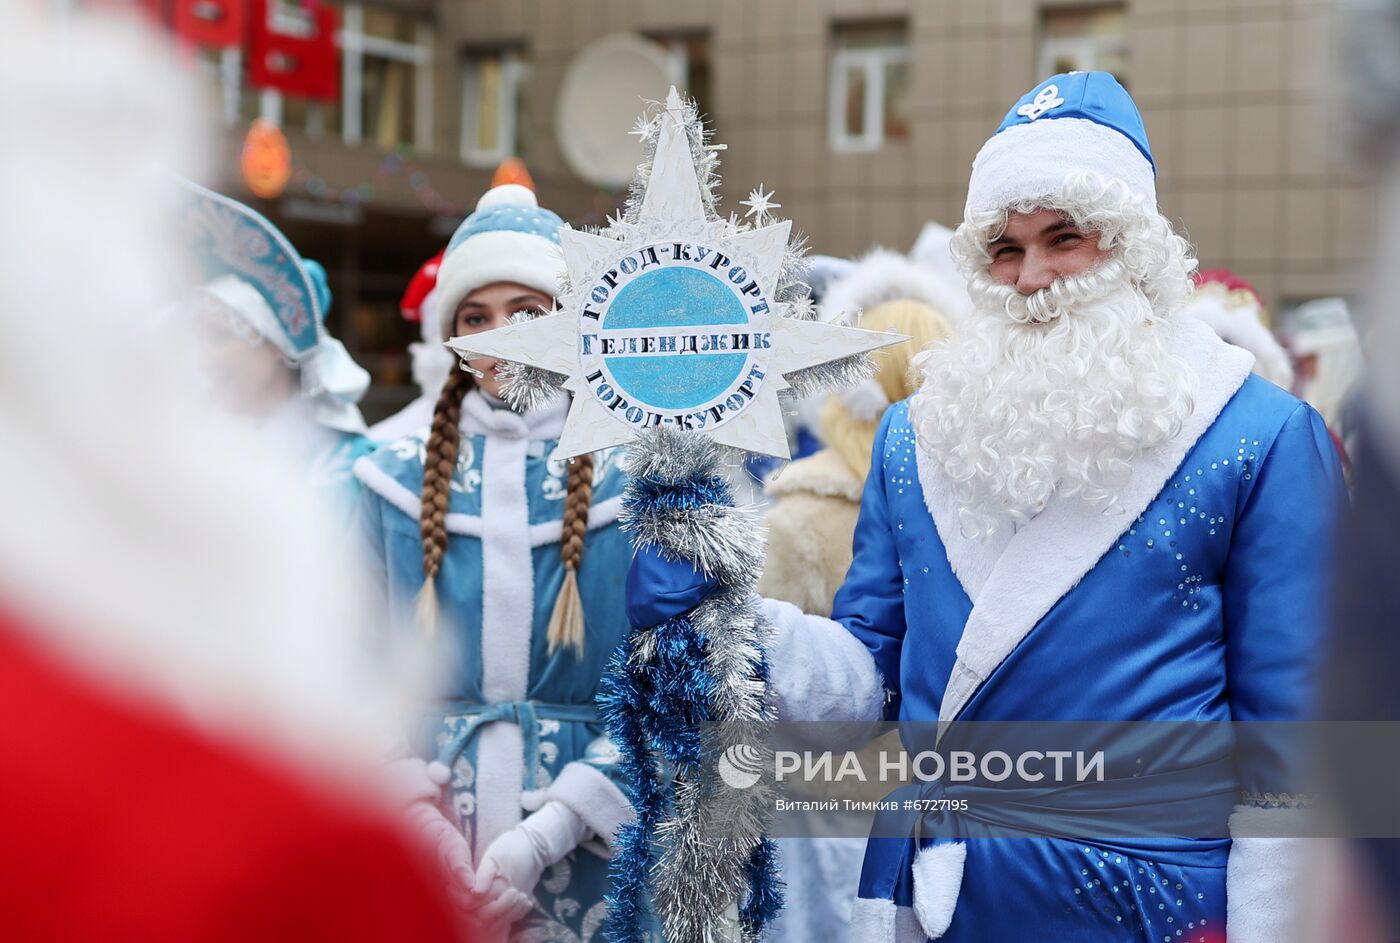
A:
(601, 96)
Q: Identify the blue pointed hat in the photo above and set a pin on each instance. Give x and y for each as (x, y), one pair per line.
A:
(227, 238)
(253, 272)
(1070, 123)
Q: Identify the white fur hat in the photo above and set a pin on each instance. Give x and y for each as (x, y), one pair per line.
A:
(885, 275)
(509, 238)
(1072, 122)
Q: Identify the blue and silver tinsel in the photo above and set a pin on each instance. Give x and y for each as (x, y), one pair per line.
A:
(677, 696)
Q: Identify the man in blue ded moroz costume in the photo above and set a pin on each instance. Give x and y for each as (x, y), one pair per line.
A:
(1090, 510)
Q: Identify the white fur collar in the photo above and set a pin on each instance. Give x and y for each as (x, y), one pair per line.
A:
(479, 417)
(824, 473)
(1068, 538)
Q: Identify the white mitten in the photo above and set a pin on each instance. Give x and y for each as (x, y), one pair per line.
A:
(415, 788)
(518, 857)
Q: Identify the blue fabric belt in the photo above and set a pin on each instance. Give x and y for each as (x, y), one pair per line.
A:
(524, 714)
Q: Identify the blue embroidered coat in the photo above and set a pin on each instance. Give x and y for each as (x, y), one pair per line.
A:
(518, 725)
(1199, 601)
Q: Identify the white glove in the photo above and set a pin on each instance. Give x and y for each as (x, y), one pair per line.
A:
(518, 857)
(415, 788)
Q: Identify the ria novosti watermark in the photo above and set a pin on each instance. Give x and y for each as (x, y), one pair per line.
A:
(1080, 779)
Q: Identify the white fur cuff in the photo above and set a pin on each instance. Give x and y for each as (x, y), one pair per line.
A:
(820, 670)
(938, 871)
(1263, 881)
(881, 921)
(591, 796)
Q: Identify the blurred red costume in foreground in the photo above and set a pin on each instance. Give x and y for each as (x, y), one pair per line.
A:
(122, 823)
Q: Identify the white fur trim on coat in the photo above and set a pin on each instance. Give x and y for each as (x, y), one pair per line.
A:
(409, 502)
(507, 624)
(885, 275)
(591, 796)
(938, 872)
(882, 921)
(1264, 880)
(1031, 161)
(820, 670)
(416, 417)
(823, 473)
(1064, 541)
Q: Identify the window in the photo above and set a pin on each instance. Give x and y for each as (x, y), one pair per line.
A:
(493, 106)
(869, 98)
(1078, 39)
(387, 79)
(689, 58)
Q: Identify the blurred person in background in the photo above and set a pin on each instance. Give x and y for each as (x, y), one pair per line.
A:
(432, 362)
(512, 560)
(841, 290)
(811, 523)
(1327, 352)
(259, 331)
(1232, 307)
(1365, 647)
(193, 717)
(815, 500)
(934, 250)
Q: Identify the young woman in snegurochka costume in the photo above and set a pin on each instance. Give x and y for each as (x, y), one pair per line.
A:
(514, 559)
(259, 323)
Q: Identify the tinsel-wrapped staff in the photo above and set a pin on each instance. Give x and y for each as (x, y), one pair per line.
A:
(678, 331)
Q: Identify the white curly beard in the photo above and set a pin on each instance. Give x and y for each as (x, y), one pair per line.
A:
(1054, 394)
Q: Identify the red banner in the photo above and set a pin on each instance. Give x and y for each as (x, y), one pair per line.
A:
(153, 10)
(211, 22)
(292, 48)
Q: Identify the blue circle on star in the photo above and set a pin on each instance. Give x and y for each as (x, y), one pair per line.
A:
(675, 297)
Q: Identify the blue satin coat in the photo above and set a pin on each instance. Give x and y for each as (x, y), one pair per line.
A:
(1208, 606)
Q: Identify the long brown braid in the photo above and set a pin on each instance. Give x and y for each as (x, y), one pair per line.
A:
(439, 465)
(566, 626)
(577, 500)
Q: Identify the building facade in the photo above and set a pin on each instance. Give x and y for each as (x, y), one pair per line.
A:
(863, 115)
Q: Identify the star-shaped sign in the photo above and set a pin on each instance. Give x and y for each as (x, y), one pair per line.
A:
(673, 319)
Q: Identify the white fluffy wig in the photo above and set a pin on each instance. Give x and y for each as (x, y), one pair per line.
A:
(1055, 393)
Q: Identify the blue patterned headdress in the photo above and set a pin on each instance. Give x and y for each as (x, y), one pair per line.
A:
(227, 238)
(254, 272)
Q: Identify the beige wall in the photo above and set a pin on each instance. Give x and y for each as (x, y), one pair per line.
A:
(1234, 94)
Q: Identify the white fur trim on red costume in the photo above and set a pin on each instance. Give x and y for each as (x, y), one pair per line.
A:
(885, 275)
(431, 361)
(1241, 326)
(1031, 161)
(938, 872)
